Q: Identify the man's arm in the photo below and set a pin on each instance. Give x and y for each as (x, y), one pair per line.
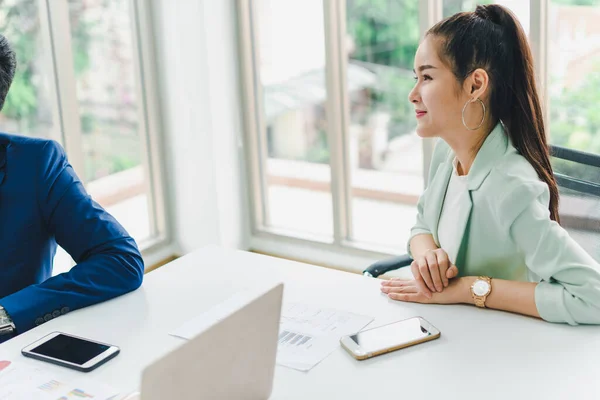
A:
(109, 263)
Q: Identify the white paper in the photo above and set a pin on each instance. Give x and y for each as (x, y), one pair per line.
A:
(217, 313)
(308, 334)
(22, 382)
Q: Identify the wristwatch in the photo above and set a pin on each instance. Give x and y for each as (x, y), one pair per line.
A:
(7, 327)
(481, 289)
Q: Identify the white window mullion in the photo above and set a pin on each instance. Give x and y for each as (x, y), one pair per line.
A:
(148, 116)
(60, 36)
(256, 147)
(46, 36)
(539, 46)
(337, 117)
(430, 12)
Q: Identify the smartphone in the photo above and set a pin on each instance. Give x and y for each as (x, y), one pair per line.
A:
(71, 351)
(384, 339)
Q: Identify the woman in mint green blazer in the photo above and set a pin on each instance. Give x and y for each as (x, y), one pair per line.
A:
(487, 230)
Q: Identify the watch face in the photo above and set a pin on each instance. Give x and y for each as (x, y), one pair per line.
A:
(481, 287)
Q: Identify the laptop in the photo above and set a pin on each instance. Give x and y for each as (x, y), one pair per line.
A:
(233, 359)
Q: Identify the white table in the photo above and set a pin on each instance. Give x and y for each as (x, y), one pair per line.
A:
(482, 354)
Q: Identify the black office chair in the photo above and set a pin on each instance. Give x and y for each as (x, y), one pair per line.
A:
(578, 176)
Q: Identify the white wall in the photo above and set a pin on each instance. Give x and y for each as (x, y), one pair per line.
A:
(196, 51)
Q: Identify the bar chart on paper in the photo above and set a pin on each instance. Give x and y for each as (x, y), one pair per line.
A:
(287, 338)
(308, 334)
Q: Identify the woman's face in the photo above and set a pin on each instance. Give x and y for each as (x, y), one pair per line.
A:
(436, 97)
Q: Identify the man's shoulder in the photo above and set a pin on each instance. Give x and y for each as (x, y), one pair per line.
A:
(31, 147)
(21, 140)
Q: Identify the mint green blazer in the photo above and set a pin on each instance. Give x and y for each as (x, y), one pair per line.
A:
(507, 232)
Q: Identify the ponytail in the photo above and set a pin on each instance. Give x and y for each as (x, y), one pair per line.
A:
(492, 38)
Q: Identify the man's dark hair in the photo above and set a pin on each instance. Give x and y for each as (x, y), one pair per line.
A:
(8, 65)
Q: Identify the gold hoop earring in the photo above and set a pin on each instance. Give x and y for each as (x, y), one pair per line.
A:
(482, 118)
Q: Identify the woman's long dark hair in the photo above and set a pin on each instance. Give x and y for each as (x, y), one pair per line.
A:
(492, 38)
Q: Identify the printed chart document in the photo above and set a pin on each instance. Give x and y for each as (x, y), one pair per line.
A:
(307, 334)
(22, 382)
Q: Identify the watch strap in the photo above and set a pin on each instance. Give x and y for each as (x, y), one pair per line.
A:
(479, 301)
(6, 324)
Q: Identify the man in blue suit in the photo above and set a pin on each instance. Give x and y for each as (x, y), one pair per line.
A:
(43, 204)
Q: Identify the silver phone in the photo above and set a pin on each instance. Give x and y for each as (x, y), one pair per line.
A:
(384, 339)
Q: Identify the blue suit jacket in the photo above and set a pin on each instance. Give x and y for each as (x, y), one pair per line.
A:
(42, 204)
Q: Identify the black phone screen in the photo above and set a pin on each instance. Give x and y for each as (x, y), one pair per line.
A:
(71, 349)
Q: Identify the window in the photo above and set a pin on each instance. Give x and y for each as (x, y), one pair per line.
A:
(79, 81)
(291, 69)
(384, 152)
(574, 74)
(345, 160)
(334, 157)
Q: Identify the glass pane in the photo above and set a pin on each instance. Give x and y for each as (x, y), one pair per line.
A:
(386, 154)
(574, 74)
(292, 75)
(29, 106)
(108, 105)
(521, 8)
